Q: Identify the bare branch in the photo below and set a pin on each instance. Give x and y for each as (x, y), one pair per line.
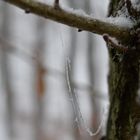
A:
(71, 18)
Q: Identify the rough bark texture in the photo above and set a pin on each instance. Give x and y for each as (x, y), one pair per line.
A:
(124, 76)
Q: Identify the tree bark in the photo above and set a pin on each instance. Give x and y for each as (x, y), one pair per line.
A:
(124, 113)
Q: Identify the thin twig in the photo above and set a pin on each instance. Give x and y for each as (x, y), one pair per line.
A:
(110, 43)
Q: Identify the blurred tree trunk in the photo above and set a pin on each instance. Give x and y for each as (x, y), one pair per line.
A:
(72, 55)
(6, 72)
(39, 77)
(95, 104)
(124, 76)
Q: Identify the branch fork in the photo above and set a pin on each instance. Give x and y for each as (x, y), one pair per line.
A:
(112, 44)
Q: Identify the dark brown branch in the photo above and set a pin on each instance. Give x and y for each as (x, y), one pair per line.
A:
(72, 19)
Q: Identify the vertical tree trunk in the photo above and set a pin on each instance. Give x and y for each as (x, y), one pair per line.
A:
(6, 73)
(124, 112)
(39, 77)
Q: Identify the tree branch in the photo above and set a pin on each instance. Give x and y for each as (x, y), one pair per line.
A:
(71, 18)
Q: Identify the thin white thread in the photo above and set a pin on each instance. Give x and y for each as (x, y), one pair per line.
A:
(79, 117)
(76, 105)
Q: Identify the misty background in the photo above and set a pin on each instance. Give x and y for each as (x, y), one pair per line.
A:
(53, 79)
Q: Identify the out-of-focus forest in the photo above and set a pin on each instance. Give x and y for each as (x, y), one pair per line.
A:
(53, 79)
